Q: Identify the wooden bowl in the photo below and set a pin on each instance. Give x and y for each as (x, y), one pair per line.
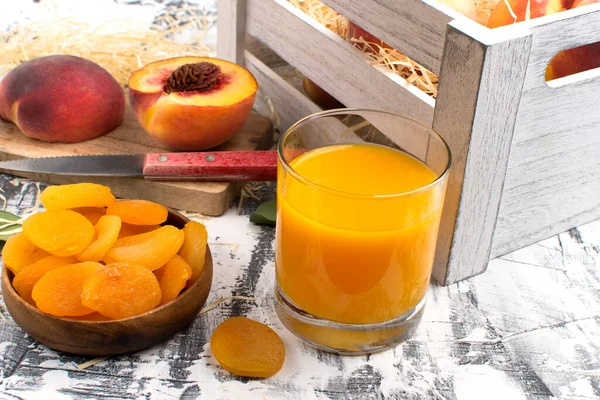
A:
(103, 338)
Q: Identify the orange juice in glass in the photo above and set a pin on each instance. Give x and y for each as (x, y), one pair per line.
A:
(359, 201)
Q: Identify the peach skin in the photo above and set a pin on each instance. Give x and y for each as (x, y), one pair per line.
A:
(61, 98)
(575, 60)
(192, 103)
(538, 8)
(320, 96)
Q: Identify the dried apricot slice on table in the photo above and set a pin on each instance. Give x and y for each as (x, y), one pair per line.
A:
(76, 195)
(122, 290)
(18, 252)
(172, 278)
(93, 214)
(193, 250)
(130, 230)
(152, 249)
(31, 274)
(106, 233)
(60, 232)
(138, 212)
(58, 292)
(246, 347)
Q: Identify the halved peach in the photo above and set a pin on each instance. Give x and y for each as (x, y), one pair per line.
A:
(192, 103)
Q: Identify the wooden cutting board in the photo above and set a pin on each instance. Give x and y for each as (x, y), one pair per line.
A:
(209, 198)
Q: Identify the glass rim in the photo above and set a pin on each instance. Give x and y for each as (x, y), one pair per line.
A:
(289, 169)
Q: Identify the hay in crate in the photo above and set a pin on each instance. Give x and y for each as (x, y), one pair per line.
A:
(377, 54)
(324, 15)
(119, 46)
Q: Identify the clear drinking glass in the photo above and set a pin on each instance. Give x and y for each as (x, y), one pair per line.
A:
(359, 201)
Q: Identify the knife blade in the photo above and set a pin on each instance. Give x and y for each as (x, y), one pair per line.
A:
(227, 166)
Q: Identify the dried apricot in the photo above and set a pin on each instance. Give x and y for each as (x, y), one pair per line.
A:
(58, 292)
(106, 233)
(122, 290)
(76, 195)
(246, 347)
(93, 214)
(60, 232)
(18, 252)
(172, 278)
(193, 249)
(152, 249)
(130, 230)
(31, 274)
(93, 317)
(138, 212)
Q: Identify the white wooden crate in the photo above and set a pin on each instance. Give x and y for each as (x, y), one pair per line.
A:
(526, 153)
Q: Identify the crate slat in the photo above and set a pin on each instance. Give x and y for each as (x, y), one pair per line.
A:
(553, 175)
(333, 63)
(289, 104)
(548, 193)
(231, 30)
(577, 27)
(410, 26)
(475, 113)
(526, 162)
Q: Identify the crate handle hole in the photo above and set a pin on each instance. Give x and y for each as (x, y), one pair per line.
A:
(573, 61)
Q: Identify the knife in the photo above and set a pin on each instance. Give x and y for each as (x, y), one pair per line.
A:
(229, 166)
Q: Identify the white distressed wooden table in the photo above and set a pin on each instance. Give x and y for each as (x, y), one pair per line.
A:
(529, 328)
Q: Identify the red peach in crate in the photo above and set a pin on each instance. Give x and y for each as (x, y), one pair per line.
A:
(501, 15)
(316, 93)
(61, 98)
(319, 95)
(192, 103)
(575, 60)
(356, 32)
(464, 7)
(566, 62)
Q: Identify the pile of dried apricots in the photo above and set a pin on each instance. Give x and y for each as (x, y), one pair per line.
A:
(90, 256)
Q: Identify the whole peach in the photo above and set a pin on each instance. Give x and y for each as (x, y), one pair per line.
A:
(575, 60)
(320, 96)
(62, 98)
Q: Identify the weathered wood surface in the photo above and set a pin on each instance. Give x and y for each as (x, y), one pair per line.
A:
(475, 113)
(211, 198)
(332, 63)
(553, 174)
(528, 328)
(277, 97)
(231, 30)
(413, 27)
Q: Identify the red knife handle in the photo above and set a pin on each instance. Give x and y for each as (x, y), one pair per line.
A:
(219, 166)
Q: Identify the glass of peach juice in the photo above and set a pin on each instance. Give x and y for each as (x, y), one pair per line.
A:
(359, 202)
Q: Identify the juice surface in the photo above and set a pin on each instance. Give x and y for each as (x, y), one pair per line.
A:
(350, 248)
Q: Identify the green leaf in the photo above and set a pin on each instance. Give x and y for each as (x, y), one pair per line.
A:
(9, 229)
(8, 217)
(265, 213)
